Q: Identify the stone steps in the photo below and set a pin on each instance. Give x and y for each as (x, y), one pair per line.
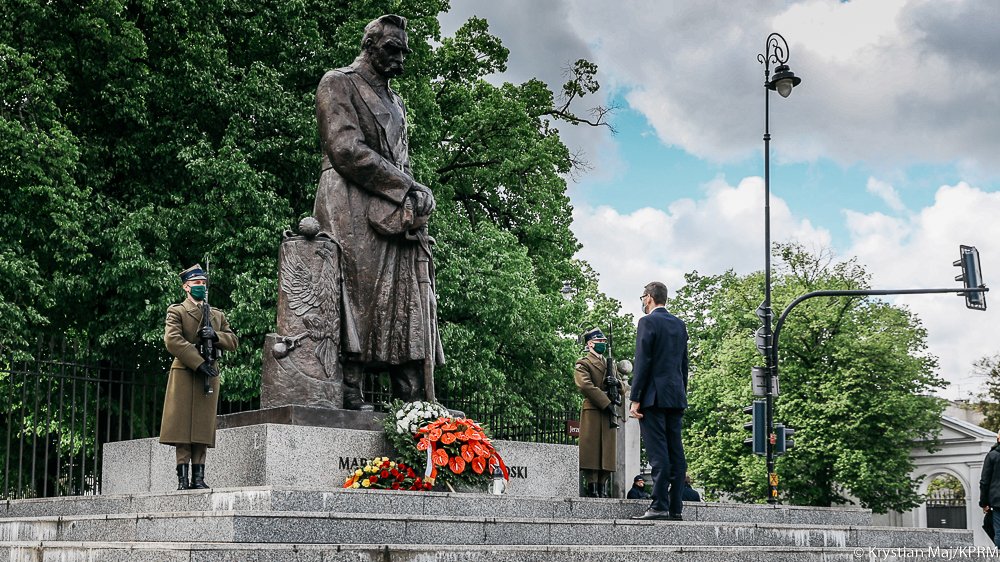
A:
(270, 524)
(417, 503)
(54, 551)
(378, 528)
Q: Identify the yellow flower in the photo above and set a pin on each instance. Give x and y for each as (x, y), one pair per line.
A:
(355, 485)
(366, 483)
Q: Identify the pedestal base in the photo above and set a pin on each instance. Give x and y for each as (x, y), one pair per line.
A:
(305, 415)
(294, 456)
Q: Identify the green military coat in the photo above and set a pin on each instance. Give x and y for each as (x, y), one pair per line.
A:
(188, 414)
(598, 442)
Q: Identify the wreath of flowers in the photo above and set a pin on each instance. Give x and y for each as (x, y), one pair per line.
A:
(449, 451)
(386, 474)
(457, 444)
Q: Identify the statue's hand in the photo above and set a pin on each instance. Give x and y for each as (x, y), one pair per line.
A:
(423, 200)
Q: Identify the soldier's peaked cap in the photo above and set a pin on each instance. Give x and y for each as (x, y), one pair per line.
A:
(193, 272)
(596, 333)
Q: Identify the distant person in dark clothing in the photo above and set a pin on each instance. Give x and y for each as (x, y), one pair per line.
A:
(989, 487)
(689, 494)
(638, 489)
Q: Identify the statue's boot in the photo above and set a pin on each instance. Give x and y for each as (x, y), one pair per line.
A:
(182, 477)
(353, 399)
(592, 490)
(198, 477)
(407, 381)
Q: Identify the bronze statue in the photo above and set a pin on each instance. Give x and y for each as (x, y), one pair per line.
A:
(365, 292)
(369, 202)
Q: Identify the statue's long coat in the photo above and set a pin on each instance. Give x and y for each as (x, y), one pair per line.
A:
(598, 442)
(188, 414)
(366, 164)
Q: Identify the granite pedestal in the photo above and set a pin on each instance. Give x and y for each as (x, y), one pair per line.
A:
(296, 456)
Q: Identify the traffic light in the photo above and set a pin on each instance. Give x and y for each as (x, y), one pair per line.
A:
(783, 439)
(971, 277)
(758, 427)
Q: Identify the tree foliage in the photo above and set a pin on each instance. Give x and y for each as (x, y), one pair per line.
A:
(855, 382)
(141, 137)
(988, 367)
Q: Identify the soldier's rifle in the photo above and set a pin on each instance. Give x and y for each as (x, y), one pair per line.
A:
(206, 346)
(612, 386)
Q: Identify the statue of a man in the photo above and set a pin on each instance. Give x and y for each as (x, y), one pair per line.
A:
(369, 202)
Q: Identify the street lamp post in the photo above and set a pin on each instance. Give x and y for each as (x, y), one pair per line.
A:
(775, 51)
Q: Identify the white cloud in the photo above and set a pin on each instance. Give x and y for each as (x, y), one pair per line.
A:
(724, 230)
(886, 83)
(886, 193)
(917, 251)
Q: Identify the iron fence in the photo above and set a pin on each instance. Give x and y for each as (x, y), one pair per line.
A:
(506, 416)
(61, 402)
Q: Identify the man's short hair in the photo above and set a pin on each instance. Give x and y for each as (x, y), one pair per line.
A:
(658, 291)
(376, 28)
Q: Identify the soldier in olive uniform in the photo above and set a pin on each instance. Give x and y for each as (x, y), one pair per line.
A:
(598, 451)
(188, 412)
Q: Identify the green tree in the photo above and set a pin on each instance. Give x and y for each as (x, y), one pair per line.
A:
(140, 137)
(989, 368)
(855, 382)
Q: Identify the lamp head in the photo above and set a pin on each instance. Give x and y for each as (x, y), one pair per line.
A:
(784, 80)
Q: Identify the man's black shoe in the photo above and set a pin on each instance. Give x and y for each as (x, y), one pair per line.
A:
(673, 517)
(652, 514)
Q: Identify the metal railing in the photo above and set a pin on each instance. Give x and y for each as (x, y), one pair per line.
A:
(505, 416)
(62, 401)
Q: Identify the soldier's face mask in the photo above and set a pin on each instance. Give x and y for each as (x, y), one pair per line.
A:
(198, 292)
(601, 348)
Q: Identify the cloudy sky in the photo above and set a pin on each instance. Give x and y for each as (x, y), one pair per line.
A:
(889, 150)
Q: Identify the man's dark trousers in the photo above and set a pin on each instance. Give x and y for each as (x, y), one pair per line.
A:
(661, 433)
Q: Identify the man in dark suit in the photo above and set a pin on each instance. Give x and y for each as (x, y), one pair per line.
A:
(659, 397)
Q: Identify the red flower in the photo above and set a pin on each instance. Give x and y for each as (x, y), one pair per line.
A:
(372, 479)
(410, 473)
(440, 457)
(447, 438)
(423, 444)
(384, 474)
(457, 465)
(467, 453)
(435, 434)
(395, 486)
(478, 465)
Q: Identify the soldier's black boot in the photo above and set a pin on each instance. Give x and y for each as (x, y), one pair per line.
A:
(353, 400)
(592, 490)
(182, 477)
(198, 477)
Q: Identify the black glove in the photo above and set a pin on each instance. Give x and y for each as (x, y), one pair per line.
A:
(610, 409)
(205, 369)
(208, 333)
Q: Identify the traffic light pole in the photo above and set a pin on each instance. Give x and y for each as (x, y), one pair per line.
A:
(855, 293)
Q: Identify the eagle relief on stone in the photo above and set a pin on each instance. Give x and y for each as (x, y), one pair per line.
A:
(309, 278)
